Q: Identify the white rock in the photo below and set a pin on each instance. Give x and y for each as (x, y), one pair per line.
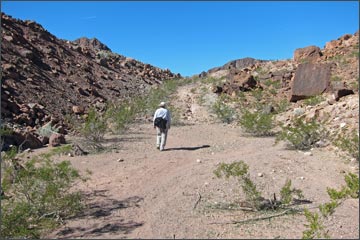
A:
(198, 160)
(308, 153)
(298, 111)
(342, 125)
(120, 160)
(302, 178)
(260, 174)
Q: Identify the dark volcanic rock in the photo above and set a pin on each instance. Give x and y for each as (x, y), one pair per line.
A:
(310, 80)
(57, 74)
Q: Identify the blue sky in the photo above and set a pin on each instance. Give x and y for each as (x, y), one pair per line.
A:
(188, 36)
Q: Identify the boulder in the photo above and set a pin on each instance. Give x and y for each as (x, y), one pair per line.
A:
(78, 109)
(240, 63)
(24, 140)
(310, 80)
(340, 90)
(310, 53)
(333, 44)
(56, 139)
(244, 80)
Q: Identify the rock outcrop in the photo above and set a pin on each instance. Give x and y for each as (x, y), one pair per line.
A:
(310, 80)
(45, 77)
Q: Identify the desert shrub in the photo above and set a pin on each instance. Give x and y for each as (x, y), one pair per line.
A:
(253, 196)
(105, 54)
(5, 131)
(282, 106)
(355, 85)
(257, 123)
(175, 115)
(335, 78)
(350, 190)
(286, 193)
(314, 100)
(211, 80)
(36, 198)
(315, 226)
(327, 209)
(239, 170)
(95, 127)
(301, 135)
(225, 113)
(349, 144)
(121, 114)
(47, 130)
(257, 93)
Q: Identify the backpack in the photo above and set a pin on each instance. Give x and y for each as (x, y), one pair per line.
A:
(160, 122)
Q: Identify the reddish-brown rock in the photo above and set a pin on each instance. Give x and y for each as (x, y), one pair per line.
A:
(56, 139)
(310, 80)
(311, 54)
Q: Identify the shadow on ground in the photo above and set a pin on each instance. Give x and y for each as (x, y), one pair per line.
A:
(103, 210)
(187, 148)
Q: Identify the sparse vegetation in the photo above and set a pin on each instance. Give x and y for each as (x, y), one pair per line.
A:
(286, 193)
(282, 106)
(239, 170)
(314, 100)
(253, 196)
(225, 113)
(351, 189)
(316, 228)
(36, 195)
(257, 94)
(257, 123)
(47, 130)
(94, 128)
(349, 144)
(335, 78)
(301, 135)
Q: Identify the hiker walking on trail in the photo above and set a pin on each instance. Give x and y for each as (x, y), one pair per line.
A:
(162, 122)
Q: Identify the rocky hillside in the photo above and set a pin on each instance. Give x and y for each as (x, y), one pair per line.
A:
(46, 78)
(329, 76)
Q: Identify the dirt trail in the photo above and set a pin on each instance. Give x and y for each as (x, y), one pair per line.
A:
(140, 192)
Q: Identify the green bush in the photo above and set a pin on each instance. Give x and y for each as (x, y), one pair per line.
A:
(312, 101)
(95, 126)
(350, 190)
(301, 135)
(282, 106)
(349, 144)
(257, 123)
(225, 113)
(327, 209)
(120, 114)
(47, 130)
(315, 226)
(36, 197)
(286, 193)
(239, 170)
